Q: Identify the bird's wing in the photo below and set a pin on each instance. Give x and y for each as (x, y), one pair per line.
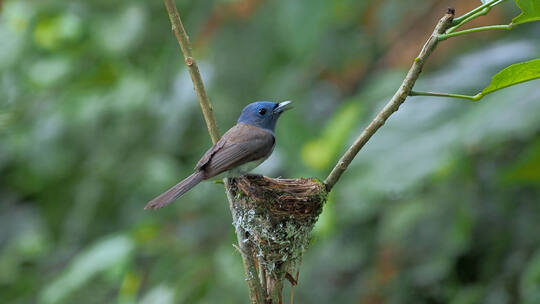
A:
(241, 144)
(216, 147)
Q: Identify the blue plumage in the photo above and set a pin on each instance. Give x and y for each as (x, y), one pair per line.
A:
(263, 114)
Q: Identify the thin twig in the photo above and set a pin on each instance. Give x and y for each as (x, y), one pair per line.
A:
(483, 12)
(393, 105)
(477, 12)
(256, 293)
(262, 275)
(435, 94)
(490, 4)
(476, 29)
(198, 85)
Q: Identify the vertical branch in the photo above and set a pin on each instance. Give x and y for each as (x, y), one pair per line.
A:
(394, 103)
(198, 85)
(256, 293)
(274, 289)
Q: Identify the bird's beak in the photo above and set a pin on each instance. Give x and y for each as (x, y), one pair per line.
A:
(283, 106)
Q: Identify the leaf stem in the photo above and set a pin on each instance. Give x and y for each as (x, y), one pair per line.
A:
(480, 13)
(476, 29)
(461, 19)
(485, 9)
(468, 97)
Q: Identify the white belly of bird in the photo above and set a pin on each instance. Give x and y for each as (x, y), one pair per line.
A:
(245, 168)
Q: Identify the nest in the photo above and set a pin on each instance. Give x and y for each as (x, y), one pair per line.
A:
(277, 216)
(283, 198)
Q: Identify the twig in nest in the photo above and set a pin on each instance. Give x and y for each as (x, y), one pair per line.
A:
(289, 277)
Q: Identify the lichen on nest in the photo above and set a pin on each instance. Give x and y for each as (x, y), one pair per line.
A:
(278, 215)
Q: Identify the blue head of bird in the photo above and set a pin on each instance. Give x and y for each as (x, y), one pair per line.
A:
(263, 114)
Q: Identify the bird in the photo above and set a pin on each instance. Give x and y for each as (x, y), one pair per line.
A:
(241, 149)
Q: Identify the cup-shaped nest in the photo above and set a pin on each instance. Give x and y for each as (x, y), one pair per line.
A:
(278, 216)
(301, 198)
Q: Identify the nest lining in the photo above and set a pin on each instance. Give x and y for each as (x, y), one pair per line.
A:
(278, 215)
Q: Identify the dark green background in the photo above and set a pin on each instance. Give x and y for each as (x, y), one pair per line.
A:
(98, 115)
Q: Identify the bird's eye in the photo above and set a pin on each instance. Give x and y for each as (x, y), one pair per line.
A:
(262, 111)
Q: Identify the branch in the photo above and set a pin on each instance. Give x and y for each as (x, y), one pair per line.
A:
(256, 293)
(198, 85)
(393, 105)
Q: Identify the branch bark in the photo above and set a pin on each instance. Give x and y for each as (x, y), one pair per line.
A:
(256, 293)
(198, 85)
(393, 105)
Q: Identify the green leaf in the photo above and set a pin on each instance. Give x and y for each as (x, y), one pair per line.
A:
(514, 74)
(530, 11)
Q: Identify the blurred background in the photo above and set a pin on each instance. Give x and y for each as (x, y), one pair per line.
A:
(98, 116)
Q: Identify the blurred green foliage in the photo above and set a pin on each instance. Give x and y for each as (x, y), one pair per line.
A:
(98, 115)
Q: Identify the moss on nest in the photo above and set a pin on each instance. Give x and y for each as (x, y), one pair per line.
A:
(278, 215)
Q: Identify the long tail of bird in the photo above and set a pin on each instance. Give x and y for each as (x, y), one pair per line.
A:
(176, 191)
